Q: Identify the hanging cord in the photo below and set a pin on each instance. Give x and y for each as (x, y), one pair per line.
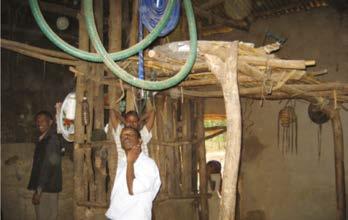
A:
(122, 95)
(319, 141)
(266, 83)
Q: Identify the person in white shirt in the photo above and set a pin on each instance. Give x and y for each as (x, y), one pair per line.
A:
(137, 181)
(131, 119)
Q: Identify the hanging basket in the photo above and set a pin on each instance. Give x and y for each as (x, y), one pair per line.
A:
(317, 115)
(287, 116)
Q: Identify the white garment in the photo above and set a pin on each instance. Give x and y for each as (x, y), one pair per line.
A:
(145, 188)
(145, 137)
(214, 200)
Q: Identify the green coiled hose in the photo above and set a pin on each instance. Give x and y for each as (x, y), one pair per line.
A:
(108, 59)
(94, 57)
(144, 84)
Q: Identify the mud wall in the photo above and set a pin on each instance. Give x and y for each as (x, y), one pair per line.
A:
(293, 186)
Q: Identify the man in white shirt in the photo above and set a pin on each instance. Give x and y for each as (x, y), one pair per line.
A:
(137, 181)
(131, 119)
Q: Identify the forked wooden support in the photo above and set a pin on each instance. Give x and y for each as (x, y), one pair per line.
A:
(226, 72)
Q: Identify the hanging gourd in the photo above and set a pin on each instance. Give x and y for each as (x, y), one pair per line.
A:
(319, 117)
(287, 129)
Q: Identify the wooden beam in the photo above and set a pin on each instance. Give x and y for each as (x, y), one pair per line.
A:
(215, 29)
(14, 44)
(35, 32)
(40, 56)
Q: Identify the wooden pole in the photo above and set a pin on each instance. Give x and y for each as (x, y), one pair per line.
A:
(134, 25)
(339, 165)
(160, 101)
(133, 40)
(167, 128)
(203, 187)
(115, 44)
(187, 149)
(79, 129)
(98, 101)
(176, 151)
(226, 73)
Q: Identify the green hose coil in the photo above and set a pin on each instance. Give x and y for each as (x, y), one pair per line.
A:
(108, 59)
(94, 57)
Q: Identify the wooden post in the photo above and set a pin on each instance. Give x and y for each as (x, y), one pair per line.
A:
(98, 69)
(79, 128)
(167, 127)
(226, 73)
(160, 137)
(115, 44)
(339, 164)
(176, 163)
(194, 154)
(187, 149)
(203, 187)
(134, 25)
(133, 40)
(153, 148)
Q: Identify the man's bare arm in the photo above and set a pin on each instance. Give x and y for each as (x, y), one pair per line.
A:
(115, 118)
(148, 119)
